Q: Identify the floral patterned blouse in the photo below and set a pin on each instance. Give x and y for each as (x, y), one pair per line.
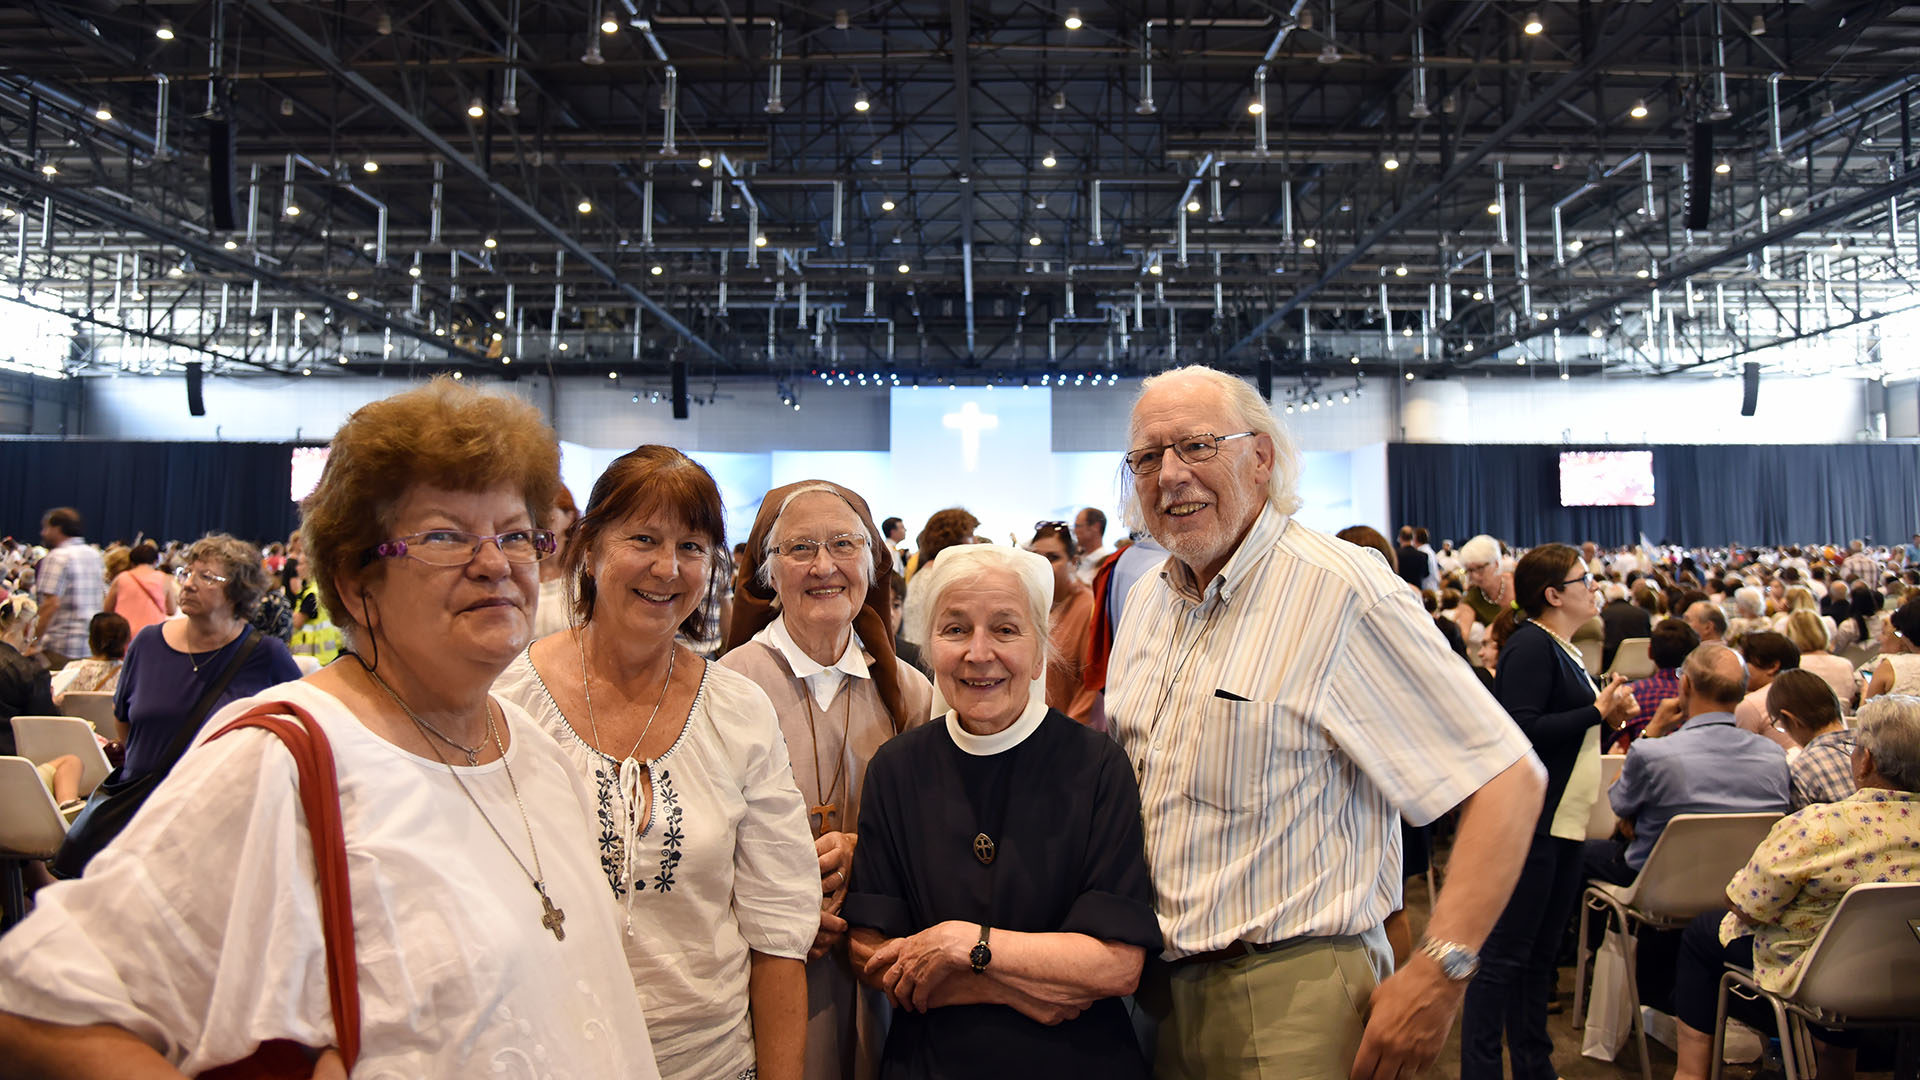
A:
(1806, 865)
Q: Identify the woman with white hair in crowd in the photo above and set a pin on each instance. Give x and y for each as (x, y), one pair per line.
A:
(1798, 875)
(1489, 586)
(1000, 894)
(810, 628)
(1749, 612)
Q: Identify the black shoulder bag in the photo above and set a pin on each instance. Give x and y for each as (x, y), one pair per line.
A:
(113, 804)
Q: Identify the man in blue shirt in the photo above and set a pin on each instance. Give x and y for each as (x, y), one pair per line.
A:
(1709, 766)
(1911, 552)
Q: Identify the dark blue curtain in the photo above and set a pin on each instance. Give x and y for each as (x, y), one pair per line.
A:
(1703, 495)
(169, 491)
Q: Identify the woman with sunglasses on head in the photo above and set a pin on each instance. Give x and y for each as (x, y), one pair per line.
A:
(481, 942)
(172, 664)
(1068, 622)
(1542, 681)
(810, 628)
(704, 847)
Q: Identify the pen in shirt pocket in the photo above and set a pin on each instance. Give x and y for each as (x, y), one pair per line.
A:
(1228, 695)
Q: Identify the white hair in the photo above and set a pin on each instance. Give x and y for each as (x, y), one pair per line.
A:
(1889, 728)
(967, 562)
(1248, 413)
(1750, 600)
(1480, 549)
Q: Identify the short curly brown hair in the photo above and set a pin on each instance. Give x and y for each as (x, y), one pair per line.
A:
(238, 562)
(444, 434)
(944, 529)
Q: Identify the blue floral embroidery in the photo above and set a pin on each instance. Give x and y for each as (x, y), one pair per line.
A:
(611, 855)
(671, 836)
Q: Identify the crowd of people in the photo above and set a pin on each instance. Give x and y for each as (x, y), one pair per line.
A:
(622, 800)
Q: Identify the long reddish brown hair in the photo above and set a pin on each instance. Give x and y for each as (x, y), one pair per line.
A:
(645, 479)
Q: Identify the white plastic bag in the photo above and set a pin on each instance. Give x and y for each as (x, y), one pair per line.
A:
(1609, 1008)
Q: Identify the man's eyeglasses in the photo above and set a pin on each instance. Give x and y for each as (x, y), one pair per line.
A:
(845, 548)
(1192, 449)
(451, 547)
(205, 577)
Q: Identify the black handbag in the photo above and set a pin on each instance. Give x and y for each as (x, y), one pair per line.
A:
(118, 798)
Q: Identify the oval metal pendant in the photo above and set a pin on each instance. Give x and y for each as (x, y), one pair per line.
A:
(983, 849)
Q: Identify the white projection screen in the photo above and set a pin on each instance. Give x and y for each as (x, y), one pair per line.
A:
(1606, 478)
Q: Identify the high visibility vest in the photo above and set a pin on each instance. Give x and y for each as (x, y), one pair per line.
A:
(318, 637)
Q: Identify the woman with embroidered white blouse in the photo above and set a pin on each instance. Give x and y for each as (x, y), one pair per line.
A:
(483, 944)
(704, 846)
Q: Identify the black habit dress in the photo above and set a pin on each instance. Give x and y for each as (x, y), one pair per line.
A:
(1063, 811)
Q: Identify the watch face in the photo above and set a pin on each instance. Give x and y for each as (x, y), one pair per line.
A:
(980, 956)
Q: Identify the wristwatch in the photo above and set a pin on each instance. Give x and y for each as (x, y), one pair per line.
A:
(981, 956)
(1457, 962)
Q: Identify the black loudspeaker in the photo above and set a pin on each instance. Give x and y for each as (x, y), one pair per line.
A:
(1263, 378)
(1750, 396)
(196, 406)
(679, 370)
(222, 181)
(1700, 177)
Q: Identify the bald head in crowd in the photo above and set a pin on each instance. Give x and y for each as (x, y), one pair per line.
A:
(1707, 620)
(1716, 679)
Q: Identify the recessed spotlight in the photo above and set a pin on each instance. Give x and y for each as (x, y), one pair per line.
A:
(1072, 21)
(1354, 359)
(293, 209)
(563, 346)
(309, 371)
(1643, 273)
(1468, 347)
(1639, 110)
(476, 109)
(1409, 376)
(1155, 270)
(1478, 295)
(613, 374)
(1574, 245)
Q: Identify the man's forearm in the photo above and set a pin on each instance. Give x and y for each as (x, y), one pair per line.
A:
(49, 604)
(1496, 828)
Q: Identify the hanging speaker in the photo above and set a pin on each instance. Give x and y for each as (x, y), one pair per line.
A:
(1750, 396)
(1700, 177)
(196, 406)
(222, 182)
(679, 370)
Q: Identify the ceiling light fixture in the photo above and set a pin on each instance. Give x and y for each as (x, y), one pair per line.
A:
(1574, 245)
(164, 31)
(904, 268)
(1329, 54)
(1048, 160)
(1059, 100)
(1309, 242)
(706, 161)
(1493, 208)
(861, 103)
(1193, 206)
(489, 243)
(103, 113)
(1156, 270)
(1533, 25)
(1724, 167)
(1400, 271)
(500, 313)
(585, 206)
(1072, 21)
(49, 169)
(1639, 110)
(609, 25)
(1254, 108)
(760, 241)
(370, 166)
(231, 245)
(1759, 26)
(414, 270)
(656, 270)
(476, 108)
(1391, 163)
(1034, 240)
(886, 205)
(383, 24)
(1786, 211)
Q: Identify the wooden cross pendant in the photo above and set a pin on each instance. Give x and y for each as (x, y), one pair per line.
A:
(553, 918)
(821, 812)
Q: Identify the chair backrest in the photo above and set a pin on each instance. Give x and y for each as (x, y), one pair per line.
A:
(40, 739)
(30, 825)
(1687, 871)
(1590, 650)
(1864, 964)
(93, 706)
(1631, 659)
(1601, 819)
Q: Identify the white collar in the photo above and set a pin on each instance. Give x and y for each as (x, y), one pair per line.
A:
(1000, 741)
(852, 661)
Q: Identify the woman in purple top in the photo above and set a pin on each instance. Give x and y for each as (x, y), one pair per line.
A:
(172, 664)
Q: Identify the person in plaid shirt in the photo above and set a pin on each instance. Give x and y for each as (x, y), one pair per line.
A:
(1672, 640)
(1803, 704)
(72, 583)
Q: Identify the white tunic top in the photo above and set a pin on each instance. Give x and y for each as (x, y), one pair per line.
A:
(199, 929)
(724, 865)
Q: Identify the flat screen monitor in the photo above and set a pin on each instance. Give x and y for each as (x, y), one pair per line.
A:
(308, 463)
(1606, 478)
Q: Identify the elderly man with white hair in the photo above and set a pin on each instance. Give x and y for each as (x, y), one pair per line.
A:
(1284, 700)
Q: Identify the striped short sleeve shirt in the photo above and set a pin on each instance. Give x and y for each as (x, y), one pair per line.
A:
(1278, 723)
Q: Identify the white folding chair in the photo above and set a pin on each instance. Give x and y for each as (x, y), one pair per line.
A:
(93, 706)
(1685, 874)
(1631, 659)
(1590, 650)
(30, 828)
(1859, 973)
(1601, 820)
(40, 739)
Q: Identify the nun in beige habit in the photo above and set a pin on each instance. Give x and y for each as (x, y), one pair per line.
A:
(809, 628)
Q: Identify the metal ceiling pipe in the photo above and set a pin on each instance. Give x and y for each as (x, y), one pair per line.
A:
(1646, 185)
(670, 105)
(774, 104)
(646, 210)
(510, 82)
(1893, 215)
(1719, 110)
(1559, 239)
(1520, 252)
(721, 299)
(1146, 106)
(1094, 238)
(1219, 299)
(869, 309)
(1500, 200)
(161, 109)
(716, 214)
(1286, 211)
(253, 205)
(437, 210)
(1180, 232)
(1215, 212)
(838, 236)
(753, 234)
(1773, 116)
(1260, 117)
(1386, 321)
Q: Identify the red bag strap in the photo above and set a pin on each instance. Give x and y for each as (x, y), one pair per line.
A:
(320, 799)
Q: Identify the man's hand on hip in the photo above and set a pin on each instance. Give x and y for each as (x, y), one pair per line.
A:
(1408, 1017)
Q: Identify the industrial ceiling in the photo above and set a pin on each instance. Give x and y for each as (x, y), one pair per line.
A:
(999, 190)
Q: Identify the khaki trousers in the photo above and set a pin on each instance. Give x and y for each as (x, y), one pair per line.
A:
(1295, 1013)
